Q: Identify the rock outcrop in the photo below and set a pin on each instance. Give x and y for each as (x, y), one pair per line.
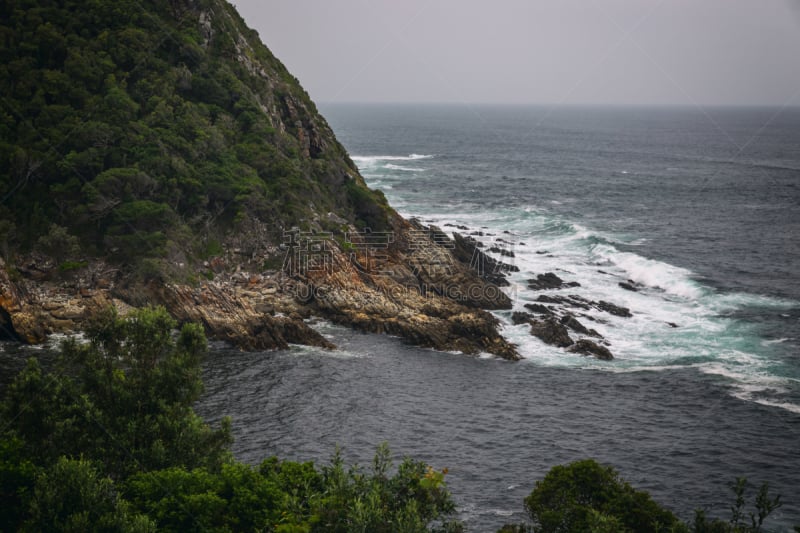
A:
(415, 288)
(550, 331)
(587, 347)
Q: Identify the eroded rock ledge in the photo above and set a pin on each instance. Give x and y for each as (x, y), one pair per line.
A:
(422, 286)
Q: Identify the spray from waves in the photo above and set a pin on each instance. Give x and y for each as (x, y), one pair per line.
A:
(671, 279)
(391, 166)
(372, 160)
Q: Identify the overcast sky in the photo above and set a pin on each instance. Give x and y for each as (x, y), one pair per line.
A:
(686, 52)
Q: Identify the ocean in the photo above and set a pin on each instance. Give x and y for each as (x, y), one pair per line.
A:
(700, 208)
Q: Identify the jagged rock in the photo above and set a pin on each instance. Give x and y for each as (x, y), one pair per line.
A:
(573, 323)
(466, 251)
(230, 316)
(520, 317)
(613, 309)
(550, 331)
(549, 281)
(628, 286)
(501, 251)
(587, 347)
(551, 299)
(539, 308)
(570, 301)
(545, 281)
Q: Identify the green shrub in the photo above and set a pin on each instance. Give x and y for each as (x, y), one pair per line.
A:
(586, 496)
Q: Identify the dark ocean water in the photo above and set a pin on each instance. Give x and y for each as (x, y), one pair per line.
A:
(701, 208)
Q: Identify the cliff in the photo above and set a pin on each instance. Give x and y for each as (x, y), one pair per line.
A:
(158, 153)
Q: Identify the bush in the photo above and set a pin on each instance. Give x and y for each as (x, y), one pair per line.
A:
(586, 496)
(124, 399)
(72, 496)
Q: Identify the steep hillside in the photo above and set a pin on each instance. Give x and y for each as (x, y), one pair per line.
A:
(150, 129)
(156, 152)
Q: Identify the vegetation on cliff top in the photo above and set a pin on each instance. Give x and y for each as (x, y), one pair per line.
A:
(152, 128)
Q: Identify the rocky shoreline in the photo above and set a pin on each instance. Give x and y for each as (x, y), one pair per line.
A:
(419, 286)
(423, 285)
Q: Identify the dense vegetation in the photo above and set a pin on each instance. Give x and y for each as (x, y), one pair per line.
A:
(108, 441)
(585, 496)
(138, 126)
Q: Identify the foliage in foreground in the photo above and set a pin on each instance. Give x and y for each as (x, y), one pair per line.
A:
(108, 441)
(585, 496)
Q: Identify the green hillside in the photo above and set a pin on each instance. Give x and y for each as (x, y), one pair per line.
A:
(135, 129)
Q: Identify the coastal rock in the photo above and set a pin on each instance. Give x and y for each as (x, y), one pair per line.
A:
(520, 317)
(539, 308)
(572, 323)
(545, 281)
(426, 297)
(501, 251)
(568, 301)
(587, 347)
(629, 286)
(467, 252)
(231, 317)
(550, 331)
(614, 309)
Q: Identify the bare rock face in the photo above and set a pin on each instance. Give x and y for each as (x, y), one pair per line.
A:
(230, 315)
(420, 292)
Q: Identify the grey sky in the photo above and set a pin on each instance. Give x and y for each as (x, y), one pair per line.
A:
(535, 51)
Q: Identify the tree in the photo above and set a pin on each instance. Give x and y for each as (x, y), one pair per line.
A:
(124, 399)
(586, 496)
(71, 495)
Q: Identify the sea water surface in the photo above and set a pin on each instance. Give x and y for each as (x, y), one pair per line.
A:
(701, 208)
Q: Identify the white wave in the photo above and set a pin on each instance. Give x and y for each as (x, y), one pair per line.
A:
(775, 341)
(651, 273)
(407, 169)
(373, 159)
(769, 403)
